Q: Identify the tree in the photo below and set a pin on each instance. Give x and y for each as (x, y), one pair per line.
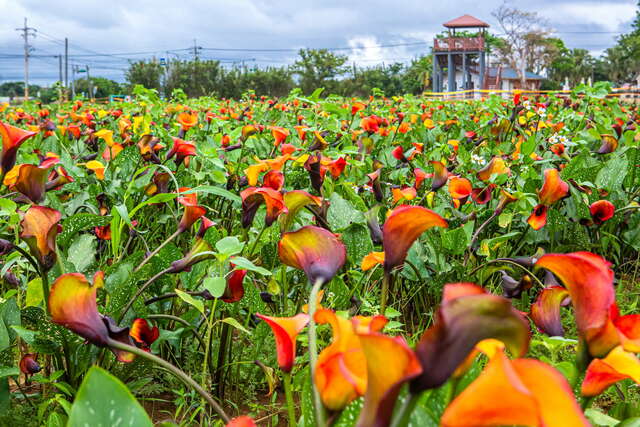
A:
(319, 68)
(16, 89)
(147, 74)
(195, 78)
(524, 36)
(102, 87)
(573, 65)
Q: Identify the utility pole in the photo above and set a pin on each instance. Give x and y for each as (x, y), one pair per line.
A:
(66, 64)
(196, 49)
(89, 83)
(60, 68)
(26, 32)
(73, 80)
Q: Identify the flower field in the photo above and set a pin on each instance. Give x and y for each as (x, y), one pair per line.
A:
(321, 261)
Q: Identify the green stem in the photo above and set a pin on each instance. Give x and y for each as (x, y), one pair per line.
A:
(320, 415)
(174, 370)
(255, 242)
(403, 415)
(384, 293)
(586, 402)
(289, 396)
(141, 290)
(156, 250)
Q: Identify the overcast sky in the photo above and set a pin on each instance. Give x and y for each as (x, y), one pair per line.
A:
(138, 29)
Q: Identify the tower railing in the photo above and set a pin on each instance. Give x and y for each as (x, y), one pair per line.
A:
(458, 44)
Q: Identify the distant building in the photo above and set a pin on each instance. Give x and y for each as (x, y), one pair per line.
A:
(459, 61)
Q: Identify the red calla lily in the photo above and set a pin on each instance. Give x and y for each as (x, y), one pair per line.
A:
(39, 228)
(143, 334)
(601, 211)
(286, 330)
(12, 138)
(253, 197)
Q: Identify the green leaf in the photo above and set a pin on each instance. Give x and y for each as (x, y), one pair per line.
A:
(27, 335)
(233, 322)
(158, 198)
(218, 191)
(79, 222)
(9, 371)
(455, 240)
(244, 263)
(104, 401)
(230, 245)
(342, 213)
(600, 419)
(35, 294)
(4, 336)
(82, 252)
(528, 146)
(199, 305)
(612, 173)
(215, 286)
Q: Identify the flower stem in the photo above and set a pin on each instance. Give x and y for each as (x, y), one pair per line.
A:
(140, 291)
(320, 415)
(174, 370)
(289, 396)
(384, 293)
(156, 250)
(404, 413)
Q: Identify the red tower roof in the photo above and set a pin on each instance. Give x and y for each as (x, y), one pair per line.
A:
(465, 21)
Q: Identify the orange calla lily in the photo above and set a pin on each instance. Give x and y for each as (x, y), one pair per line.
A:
(553, 189)
(72, 304)
(253, 197)
(459, 188)
(192, 211)
(390, 364)
(295, 201)
(440, 175)
(371, 260)
(341, 373)
(496, 166)
(285, 330)
(242, 421)
(12, 138)
(538, 217)
(403, 226)
(280, 134)
(32, 181)
(39, 228)
(545, 312)
(467, 316)
(519, 392)
(406, 193)
(602, 373)
(97, 168)
(187, 120)
(143, 334)
(274, 180)
(182, 150)
(609, 144)
(589, 281)
(601, 211)
(317, 251)
(106, 135)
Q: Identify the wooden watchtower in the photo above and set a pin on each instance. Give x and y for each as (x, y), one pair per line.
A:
(462, 54)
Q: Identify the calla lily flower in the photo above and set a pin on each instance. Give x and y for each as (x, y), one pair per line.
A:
(602, 373)
(406, 193)
(253, 197)
(97, 168)
(242, 421)
(519, 392)
(341, 373)
(538, 217)
(182, 150)
(420, 177)
(235, 289)
(39, 228)
(29, 364)
(371, 260)
(31, 182)
(313, 166)
(467, 316)
(553, 189)
(496, 166)
(12, 138)
(482, 196)
(316, 251)
(403, 226)
(295, 201)
(545, 312)
(601, 211)
(609, 144)
(200, 251)
(390, 364)
(280, 134)
(142, 334)
(374, 183)
(589, 281)
(72, 304)
(106, 135)
(285, 331)
(440, 175)
(192, 211)
(459, 188)
(187, 120)
(274, 180)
